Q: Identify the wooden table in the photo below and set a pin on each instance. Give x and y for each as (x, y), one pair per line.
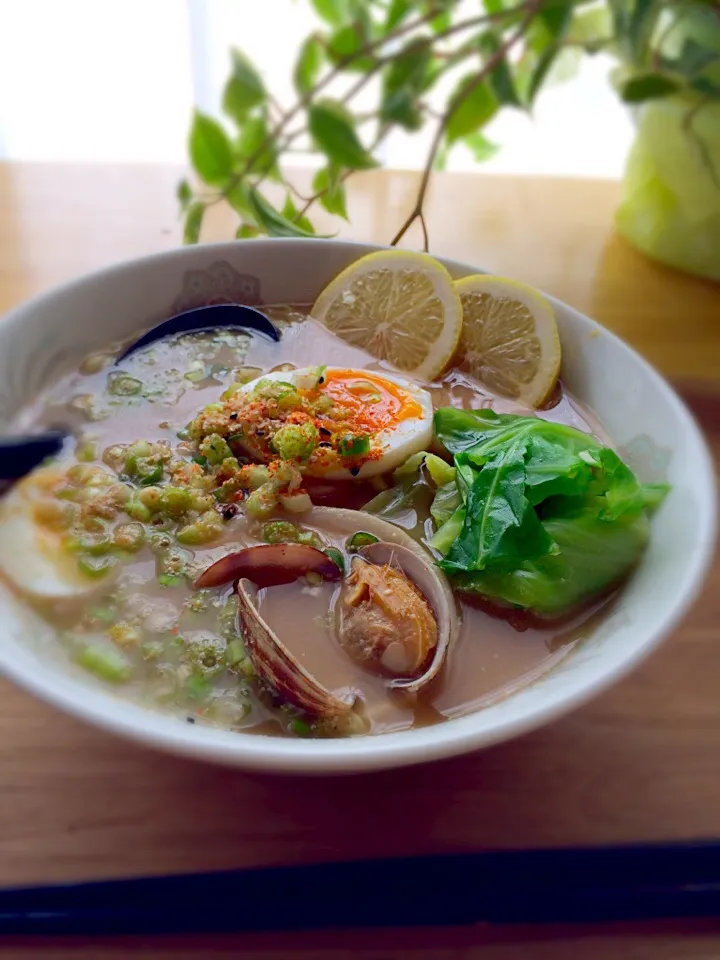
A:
(640, 762)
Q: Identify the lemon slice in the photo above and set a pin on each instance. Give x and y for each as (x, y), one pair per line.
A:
(398, 305)
(509, 339)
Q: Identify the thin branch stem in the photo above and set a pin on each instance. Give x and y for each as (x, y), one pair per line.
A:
(364, 51)
(426, 238)
(492, 62)
(382, 133)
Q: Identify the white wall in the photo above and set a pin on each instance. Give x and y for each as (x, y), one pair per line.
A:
(115, 80)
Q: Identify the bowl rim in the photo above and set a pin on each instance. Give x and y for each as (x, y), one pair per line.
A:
(396, 749)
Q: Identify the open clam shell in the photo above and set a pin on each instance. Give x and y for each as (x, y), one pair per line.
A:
(265, 566)
(279, 668)
(434, 587)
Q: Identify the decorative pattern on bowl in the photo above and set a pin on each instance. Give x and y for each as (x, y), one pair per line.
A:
(219, 283)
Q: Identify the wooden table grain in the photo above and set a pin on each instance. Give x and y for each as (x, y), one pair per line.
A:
(640, 762)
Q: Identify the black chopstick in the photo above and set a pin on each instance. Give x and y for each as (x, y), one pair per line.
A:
(590, 885)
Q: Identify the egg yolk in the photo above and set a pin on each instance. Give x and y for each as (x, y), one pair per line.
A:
(372, 403)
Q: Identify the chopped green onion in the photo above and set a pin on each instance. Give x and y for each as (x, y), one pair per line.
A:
(337, 557)
(104, 614)
(170, 580)
(96, 545)
(198, 688)
(96, 567)
(280, 531)
(357, 446)
(123, 385)
(152, 477)
(136, 451)
(86, 452)
(366, 391)
(360, 539)
(129, 536)
(197, 372)
(175, 501)
(234, 653)
(202, 461)
(308, 537)
(215, 448)
(296, 441)
(105, 662)
(301, 728)
(138, 511)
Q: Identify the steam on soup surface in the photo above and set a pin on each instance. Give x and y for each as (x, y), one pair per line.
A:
(220, 457)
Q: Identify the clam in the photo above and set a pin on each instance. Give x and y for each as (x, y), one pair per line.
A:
(395, 613)
(269, 565)
(279, 668)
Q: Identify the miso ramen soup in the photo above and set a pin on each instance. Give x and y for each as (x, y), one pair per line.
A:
(292, 538)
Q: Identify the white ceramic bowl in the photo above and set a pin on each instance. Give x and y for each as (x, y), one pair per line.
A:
(642, 414)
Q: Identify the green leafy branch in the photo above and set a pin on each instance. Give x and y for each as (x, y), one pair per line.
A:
(411, 55)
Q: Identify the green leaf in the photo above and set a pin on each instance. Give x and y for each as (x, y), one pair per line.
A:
(500, 524)
(447, 501)
(210, 150)
(244, 90)
(591, 28)
(346, 43)
(397, 11)
(558, 466)
(247, 231)
(692, 59)
(332, 130)
(308, 66)
(401, 107)
(640, 27)
(539, 73)
(550, 517)
(556, 18)
(647, 86)
(333, 200)
(409, 67)
(237, 197)
(270, 219)
(441, 22)
(184, 194)
(291, 212)
(474, 108)
(501, 78)
(591, 557)
(193, 222)
(706, 87)
(482, 148)
(334, 12)
(254, 141)
(403, 81)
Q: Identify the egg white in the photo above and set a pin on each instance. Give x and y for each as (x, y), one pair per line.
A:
(396, 442)
(32, 556)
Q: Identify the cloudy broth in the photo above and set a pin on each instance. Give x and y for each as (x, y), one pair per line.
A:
(166, 618)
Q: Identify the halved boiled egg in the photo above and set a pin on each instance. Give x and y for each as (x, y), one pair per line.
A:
(33, 556)
(359, 423)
